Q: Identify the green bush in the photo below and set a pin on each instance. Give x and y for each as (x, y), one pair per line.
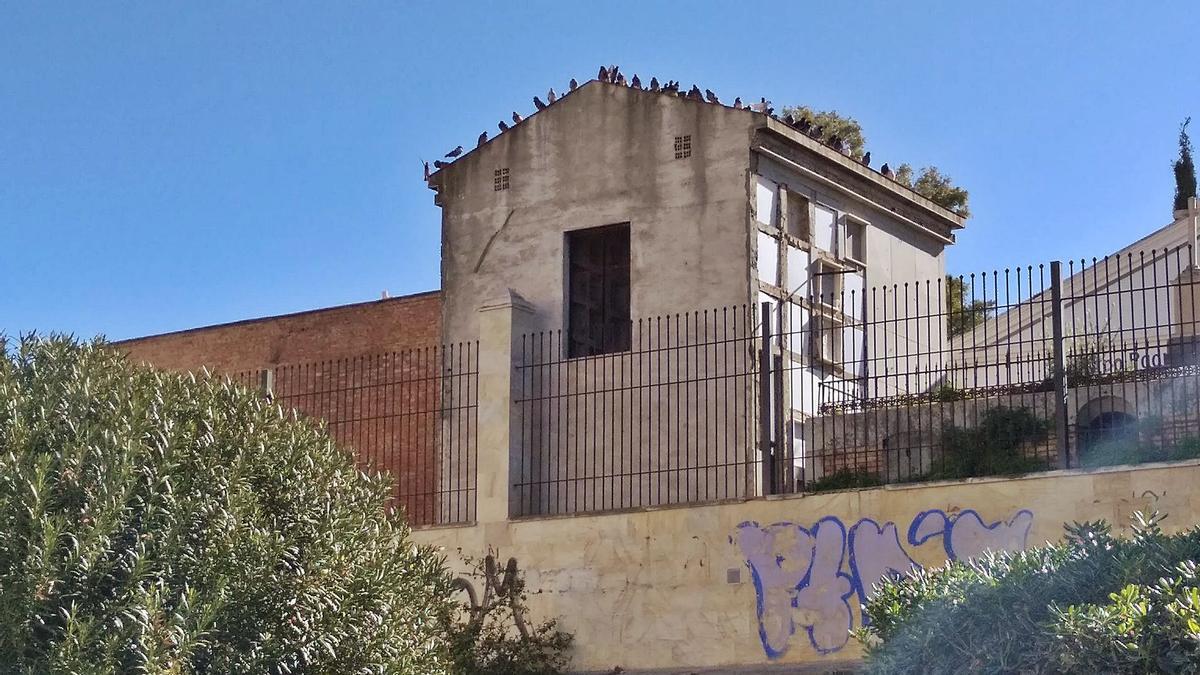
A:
(156, 522)
(994, 446)
(844, 479)
(1091, 604)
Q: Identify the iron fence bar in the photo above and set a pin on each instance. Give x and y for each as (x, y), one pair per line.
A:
(1060, 370)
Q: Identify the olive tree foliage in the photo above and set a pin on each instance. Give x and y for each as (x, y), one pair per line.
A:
(1185, 169)
(163, 523)
(930, 183)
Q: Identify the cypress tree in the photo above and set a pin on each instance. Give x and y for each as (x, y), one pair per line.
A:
(1185, 170)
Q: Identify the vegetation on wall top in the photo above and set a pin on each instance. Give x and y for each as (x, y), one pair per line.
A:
(930, 183)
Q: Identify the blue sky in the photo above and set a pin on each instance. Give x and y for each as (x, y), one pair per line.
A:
(168, 165)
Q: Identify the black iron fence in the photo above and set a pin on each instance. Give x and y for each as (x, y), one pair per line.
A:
(1084, 364)
(1059, 365)
(411, 413)
(671, 420)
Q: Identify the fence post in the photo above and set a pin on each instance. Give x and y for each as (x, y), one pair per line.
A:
(1060, 367)
(502, 322)
(764, 402)
(266, 383)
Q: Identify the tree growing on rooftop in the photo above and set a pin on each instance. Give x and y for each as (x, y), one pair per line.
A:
(931, 183)
(832, 124)
(1185, 169)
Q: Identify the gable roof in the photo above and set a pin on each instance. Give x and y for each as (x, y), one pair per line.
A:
(771, 124)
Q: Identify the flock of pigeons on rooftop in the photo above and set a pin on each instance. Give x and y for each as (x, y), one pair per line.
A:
(613, 75)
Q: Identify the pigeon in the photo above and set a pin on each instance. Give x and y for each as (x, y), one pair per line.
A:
(654, 84)
(455, 152)
(482, 139)
(817, 131)
(694, 92)
(790, 121)
(603, 74)
(614, 71)
(710, 96)
(516, 118)
(804, 125)
(866, 159)
(438, 164)
(621, 79)
(887, 171)
(426, 171)
(574, 85)
(503, 126)
(635, 82)
(551, 96)
(537, 103)
(835, 142)
(737, 102)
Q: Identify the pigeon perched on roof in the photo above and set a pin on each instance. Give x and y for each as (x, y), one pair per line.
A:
(426, 171)
(621, 79)
(439, 164)
(516, 118)
(503, 126)
(835, 142)
(614, 72)
(537, 103)
(654, 84)
(482, 139)
(551, 96)
(790, 121)
(887, 171)
(635, 82)
(694, 92)
(574, 85)
(710, 96)
(455, 152)
(737, 102)
(866, 159)
(804, 125)
(603, 74)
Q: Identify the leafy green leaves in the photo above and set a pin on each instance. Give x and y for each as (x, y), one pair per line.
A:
(157, 522)
(1090, 604)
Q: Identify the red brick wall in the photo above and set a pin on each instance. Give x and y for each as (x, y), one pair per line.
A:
(374, 372)
(366, 328)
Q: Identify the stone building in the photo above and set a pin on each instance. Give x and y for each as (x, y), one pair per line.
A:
(617, 204)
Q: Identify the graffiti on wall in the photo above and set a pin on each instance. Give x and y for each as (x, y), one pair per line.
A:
(806, 578)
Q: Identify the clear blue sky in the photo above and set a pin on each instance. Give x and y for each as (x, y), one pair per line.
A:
(169, 165)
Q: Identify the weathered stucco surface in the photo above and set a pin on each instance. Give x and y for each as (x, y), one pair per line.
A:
(602, 155)
(776, 581)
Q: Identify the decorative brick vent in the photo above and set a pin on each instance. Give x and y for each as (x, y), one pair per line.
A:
(683, 146)
(500, 179)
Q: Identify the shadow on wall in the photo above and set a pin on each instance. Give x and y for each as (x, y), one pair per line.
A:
(807, 577)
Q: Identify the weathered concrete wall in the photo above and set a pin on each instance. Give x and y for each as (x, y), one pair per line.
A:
(779, 580)
(602, 155)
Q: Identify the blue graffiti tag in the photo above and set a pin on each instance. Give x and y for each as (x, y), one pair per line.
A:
(799, 577)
